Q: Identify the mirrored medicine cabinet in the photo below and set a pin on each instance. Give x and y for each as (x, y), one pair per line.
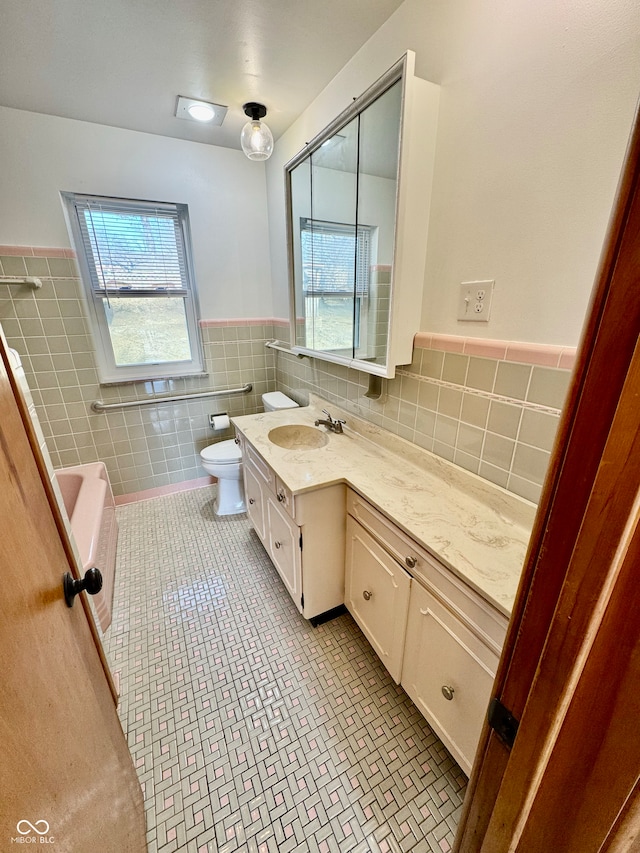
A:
(358, 199)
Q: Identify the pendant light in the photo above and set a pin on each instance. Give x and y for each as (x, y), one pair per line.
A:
(256, 139)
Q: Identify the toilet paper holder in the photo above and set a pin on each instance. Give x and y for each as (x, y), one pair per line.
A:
(219, 421)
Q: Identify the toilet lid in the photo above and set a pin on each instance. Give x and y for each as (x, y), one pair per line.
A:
(222, 453)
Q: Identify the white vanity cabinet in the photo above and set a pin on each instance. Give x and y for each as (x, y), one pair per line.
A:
(448, 671)
(303, 534)
(437, 637)
(377, 596)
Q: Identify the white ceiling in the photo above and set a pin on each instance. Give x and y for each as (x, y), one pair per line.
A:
(124, 62)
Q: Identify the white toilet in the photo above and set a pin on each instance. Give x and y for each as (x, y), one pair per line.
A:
(223, 460)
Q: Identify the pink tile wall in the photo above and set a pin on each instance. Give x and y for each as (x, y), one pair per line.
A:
(545, 355)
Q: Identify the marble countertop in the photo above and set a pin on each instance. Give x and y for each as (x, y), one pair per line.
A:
(476, 529)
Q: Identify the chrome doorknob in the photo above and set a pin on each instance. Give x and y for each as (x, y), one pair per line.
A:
(91, 583)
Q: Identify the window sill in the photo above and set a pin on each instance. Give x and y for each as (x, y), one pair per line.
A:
(118, 382)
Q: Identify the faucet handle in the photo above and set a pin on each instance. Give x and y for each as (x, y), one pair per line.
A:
(325, 412)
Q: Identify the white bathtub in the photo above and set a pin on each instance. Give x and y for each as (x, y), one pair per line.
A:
(89, 503)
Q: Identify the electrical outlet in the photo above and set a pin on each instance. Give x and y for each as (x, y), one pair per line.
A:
(474, 303)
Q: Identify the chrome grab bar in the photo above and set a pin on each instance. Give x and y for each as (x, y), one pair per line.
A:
(99, 406)
(30, 280)
(282, 346)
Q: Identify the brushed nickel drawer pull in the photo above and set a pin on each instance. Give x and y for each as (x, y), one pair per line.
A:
(252, 500)
(278, 544)
(410, 561)
(281, 496)
(366, 594)
(447, 692)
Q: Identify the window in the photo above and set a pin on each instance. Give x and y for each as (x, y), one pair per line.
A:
(335, 305)
(135, 262)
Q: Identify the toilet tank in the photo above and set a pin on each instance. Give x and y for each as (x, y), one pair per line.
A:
(274, 401)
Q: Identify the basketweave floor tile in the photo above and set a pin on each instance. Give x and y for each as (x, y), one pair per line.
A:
(250, 730)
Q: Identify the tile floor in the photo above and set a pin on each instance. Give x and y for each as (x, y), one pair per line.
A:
(252, 731)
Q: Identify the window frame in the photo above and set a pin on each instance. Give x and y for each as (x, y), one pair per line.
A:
(109, 372)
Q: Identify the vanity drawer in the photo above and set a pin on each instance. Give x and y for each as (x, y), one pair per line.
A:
(262, 470)
(397, 543)
(482, 618)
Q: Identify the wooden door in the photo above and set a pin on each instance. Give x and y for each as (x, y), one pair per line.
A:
(66, 776)
(571, 665)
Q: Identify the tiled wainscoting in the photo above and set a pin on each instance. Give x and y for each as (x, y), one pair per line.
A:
(143, 448)
(491, 407)
(492, 415)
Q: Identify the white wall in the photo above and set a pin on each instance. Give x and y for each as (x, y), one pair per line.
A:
(41, 155)
(536, 106)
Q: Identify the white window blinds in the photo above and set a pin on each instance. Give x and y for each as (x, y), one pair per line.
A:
(333, 261)
(135, 251)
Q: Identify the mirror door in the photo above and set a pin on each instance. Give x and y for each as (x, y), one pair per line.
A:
(342, 197)
(378, 154)
(328, 245)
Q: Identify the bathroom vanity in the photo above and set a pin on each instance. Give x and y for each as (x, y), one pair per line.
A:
(436, 636)
(303, 534)
(425, 555)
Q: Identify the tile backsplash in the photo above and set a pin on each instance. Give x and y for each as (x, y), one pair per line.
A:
(496, 416)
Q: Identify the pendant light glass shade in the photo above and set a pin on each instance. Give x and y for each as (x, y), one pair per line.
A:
(256, 139)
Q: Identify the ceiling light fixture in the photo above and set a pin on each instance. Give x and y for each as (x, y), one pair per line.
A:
(256, 139)
(202, 111)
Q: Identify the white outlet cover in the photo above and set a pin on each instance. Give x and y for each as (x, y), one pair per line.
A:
(474, 301)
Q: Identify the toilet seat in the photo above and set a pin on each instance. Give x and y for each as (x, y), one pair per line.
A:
(222, 453)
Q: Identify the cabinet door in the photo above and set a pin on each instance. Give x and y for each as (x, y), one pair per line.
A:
(448, 672)
(284, 549)
(254, 499)
(377, 596)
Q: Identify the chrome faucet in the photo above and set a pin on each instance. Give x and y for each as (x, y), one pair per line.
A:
(333, 425)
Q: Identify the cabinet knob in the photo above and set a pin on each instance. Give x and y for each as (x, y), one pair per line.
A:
(366, 594)
(237, 440)
(447, 692)
(281, 496)
(252, 500)
(278, 544)
(410, 562)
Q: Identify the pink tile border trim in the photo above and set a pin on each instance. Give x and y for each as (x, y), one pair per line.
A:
(159, 491)
(244, 321)
(37, 252)
(545, 355)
